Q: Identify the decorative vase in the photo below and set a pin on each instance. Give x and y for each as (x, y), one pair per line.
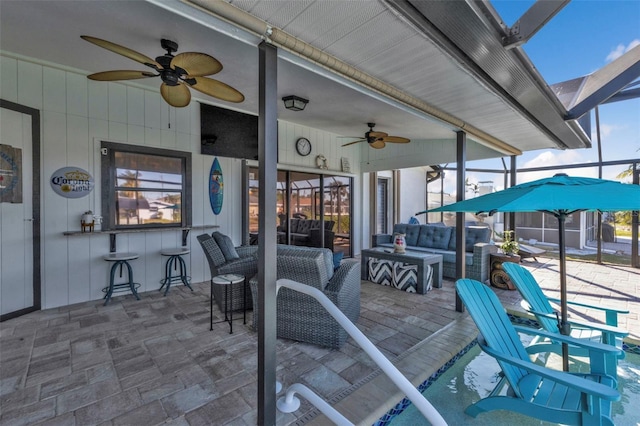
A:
(399, 243)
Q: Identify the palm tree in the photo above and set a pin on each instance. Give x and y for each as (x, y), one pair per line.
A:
(627, 173)
(130, 181)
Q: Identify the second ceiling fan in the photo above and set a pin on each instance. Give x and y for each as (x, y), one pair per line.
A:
(178, 73)
(378, 140)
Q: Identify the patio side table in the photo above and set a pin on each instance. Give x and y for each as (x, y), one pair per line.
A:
(228, 280)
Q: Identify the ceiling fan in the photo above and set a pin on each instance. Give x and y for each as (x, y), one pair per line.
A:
(178, 73)
(378, 139)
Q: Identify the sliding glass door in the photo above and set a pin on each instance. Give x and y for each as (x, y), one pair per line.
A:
(307, 196)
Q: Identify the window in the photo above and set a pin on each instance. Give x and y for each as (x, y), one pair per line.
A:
(145, 187)
(382, 210)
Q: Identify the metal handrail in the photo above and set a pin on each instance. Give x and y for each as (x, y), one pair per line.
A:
(289, 403)
(421, 403)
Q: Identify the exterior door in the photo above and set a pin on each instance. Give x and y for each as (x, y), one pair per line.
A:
(19, 216)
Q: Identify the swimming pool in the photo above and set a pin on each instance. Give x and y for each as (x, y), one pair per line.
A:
(473, 376)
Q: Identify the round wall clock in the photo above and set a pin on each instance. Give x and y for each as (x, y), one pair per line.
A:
(303, 146)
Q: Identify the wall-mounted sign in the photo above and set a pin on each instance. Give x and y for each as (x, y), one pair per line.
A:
(10, 174)
(72, 182)
(216, 187)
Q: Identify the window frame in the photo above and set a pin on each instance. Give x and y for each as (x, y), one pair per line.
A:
(109, 180)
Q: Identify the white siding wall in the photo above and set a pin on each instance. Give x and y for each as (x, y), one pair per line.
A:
(412, 193)
(77, 114)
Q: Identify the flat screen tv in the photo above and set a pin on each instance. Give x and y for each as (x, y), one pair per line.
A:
(227, 133)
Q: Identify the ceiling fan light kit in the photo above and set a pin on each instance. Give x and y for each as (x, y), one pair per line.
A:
(378, 140)
(178, 73)
(295, 103)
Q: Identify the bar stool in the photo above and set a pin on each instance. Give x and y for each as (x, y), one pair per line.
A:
(175, 260)
(120, 259)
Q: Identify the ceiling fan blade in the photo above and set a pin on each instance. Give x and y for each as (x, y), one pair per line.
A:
(377, 135)
(196, 64)
(354, 142)
(216, 88)
(377, 144)
(177, 96)
(396, 139)
(120, 75)
(124, 51)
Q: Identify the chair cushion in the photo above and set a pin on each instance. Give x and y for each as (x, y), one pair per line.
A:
(473, 235)
(436, 237)
(337, 258)
(303, 226)
(476, 234)
(226, 246)
(212, 250)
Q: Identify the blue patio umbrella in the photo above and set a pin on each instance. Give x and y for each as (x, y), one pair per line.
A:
(560, 196)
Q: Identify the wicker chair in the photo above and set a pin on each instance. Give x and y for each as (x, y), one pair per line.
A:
(302, 318)
(247, 265)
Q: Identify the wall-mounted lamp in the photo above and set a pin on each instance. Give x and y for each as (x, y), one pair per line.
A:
(294, 103)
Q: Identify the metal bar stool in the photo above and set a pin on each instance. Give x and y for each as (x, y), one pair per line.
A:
(175, 260)
(120, 260)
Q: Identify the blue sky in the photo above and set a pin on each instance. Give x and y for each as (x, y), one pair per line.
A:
(582, 38)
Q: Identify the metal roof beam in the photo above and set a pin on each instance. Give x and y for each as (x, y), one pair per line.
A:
(531, 22)
(606, 82)
(624, 95)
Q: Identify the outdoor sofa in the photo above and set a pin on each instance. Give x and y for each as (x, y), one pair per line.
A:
(307, 232)
(440, 239)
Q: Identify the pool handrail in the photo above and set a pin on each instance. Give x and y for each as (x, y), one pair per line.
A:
(421, 403)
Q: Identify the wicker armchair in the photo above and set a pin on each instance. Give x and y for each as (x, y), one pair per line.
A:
(247, 265)
(302, 318)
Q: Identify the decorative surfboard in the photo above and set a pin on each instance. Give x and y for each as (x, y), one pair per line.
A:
(216, 187)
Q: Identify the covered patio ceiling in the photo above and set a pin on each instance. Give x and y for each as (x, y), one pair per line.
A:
(439, 59)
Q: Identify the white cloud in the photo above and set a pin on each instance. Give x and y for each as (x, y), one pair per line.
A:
(556, 158)
(621, 50)
(605, 131)
(553, 158)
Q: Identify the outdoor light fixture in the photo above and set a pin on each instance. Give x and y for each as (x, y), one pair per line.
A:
(294, 103)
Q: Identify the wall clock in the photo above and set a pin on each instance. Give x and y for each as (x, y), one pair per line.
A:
(303, 146)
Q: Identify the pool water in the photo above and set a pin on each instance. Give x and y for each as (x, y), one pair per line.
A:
(475, 375)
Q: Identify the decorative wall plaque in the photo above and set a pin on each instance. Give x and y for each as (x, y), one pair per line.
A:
(346, 167)
(72, 182)
(10, 174)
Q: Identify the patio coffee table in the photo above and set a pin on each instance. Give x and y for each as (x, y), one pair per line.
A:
(421, 259)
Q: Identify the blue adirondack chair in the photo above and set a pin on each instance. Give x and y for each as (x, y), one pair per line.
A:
(534, 390)
(539, 305)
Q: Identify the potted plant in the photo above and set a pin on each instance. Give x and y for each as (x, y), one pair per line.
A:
(508, 246)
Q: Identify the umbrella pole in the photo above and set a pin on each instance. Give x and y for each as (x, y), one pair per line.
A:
(563, 326)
